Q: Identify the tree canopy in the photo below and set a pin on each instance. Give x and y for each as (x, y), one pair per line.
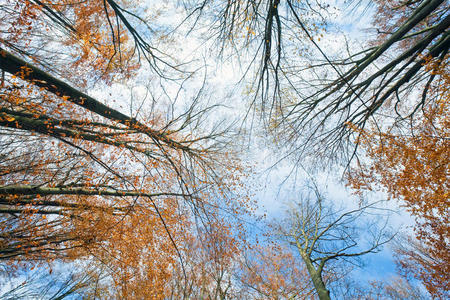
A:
(120, 158)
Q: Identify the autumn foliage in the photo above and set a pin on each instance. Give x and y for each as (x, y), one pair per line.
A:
(89, 36)
(275, 273)
(412, 164)
(79, 185)
(80, 180)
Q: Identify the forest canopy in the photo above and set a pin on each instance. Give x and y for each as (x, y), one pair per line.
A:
(133, 138)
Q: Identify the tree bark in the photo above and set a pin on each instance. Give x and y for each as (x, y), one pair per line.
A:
(316, 276)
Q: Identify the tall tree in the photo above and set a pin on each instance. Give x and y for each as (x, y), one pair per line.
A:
(376, 83)
(98, 37)
(321, 235)
(273, 272)
(418, 260)
(312, 105)
(411, 163)
(390, 288)
(81, 180)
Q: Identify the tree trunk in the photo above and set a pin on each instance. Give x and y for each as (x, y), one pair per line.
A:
(316, 276)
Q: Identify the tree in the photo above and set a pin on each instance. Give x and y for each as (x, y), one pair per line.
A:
(51, 284)
(272, 271)
(391, 288)
(148, 195)
(331, 107)
(321, 235)
(417, 260)
(104, 186)
(210, 262)
(412, 164)
(96, 37)
(312, 105)
(81, 180)
(376, 83)
(265, 36)
(300, 106)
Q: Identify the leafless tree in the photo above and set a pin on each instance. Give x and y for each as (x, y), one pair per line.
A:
(322, 235)
(317, 105)
(389, 80)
